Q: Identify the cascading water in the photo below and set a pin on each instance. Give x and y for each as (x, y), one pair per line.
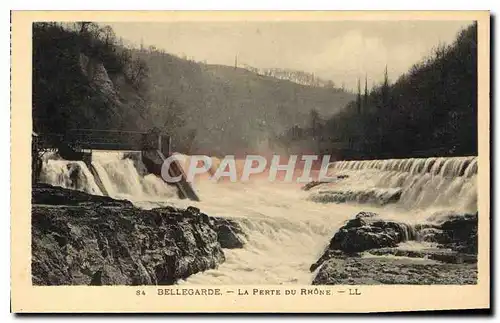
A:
(413, 184)
(286, 231)
(119, 176)
(69, 174)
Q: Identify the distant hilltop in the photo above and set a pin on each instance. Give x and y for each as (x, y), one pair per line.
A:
(299, 77)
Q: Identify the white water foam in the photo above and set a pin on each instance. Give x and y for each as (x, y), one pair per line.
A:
(69, 174)
(423, 183)
(119, 176)
(286, 233)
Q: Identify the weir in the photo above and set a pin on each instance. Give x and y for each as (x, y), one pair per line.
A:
(412, 183)
(78, 144)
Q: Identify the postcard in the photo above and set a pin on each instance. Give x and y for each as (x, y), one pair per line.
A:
(250, 161)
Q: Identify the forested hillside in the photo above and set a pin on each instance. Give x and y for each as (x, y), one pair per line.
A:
(84, 77)
(232, 110)
(431, 110)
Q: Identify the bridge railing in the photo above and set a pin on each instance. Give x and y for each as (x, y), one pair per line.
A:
(105, 140)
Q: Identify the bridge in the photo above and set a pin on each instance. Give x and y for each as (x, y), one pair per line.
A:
(78, 144)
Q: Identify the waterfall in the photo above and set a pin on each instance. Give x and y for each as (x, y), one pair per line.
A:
(414, 183)
(69, 174)
(118, 175)
(443, 166)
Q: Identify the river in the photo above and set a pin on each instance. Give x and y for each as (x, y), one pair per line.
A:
(288, 228)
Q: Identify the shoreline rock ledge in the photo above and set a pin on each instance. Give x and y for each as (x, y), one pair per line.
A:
(81, 239)
(369, 250)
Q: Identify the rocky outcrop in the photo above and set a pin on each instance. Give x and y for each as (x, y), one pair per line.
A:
(229, 233)
(51, 195)
(443, 255)
(102, 242)
(357, 253)
(454, 231)
(98, 77)
(366, 231)
(313, 184)
(385, 270)
(375, 196)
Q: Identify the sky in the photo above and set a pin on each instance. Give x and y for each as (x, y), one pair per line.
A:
(341, 51)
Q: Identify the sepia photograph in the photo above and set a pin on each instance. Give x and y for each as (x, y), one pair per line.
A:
(211, 157)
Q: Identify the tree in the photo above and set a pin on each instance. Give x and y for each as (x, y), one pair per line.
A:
(358, 99)
(83, 26)
(315, 124)
(385, 89)
(315, 121)
(138, 73)
(365, 98)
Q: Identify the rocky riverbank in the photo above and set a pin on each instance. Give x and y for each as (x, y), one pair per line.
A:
(82, 239)
(371, 250)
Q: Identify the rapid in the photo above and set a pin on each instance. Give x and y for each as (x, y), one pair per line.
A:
(286, 227)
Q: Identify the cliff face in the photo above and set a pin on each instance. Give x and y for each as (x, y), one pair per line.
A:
(100, 243)
(98, 78)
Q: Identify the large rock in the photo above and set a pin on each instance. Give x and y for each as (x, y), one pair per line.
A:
(98, 77)
(366, 231)
(454, 231)
(102, 244)
(356, 253)
(432, 234)
(228, 238)
(229, 233)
